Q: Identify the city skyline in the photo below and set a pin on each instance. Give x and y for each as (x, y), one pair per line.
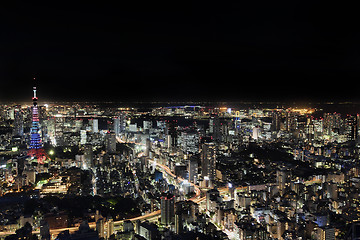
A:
(198, 52)
(104, 172)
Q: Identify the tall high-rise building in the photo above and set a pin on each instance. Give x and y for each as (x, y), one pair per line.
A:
(100, 228)
(350, 127)
(116, 126)
(332, 123)
(172, 131)
(96, 125)
(281, 179)
(214, 127)
(290, 121)
(189, 141)
(119, 124)
(148, 147)
(110, 228)
(35, 148)
(18, 123)
(276, 121)
(193, 170)
(110, 142)
(208, 160)
(88, 155)
(326, 233)
(83, 136)
(167, 208)
(212, 196)
(256, 133)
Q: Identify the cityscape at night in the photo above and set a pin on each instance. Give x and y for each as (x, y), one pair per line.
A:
(177, 121)
(164, 171)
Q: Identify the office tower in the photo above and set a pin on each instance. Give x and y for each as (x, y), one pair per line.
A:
(309, 129)
(78, 124)
(353, 232)
(11, 114)
(167, 208)
(147, 125)
(281, 179)
(119, 124)
(189, 141)
(51, 130)
(82, 137)
(36, 152)
(171, 130)
(214, 128)
(256, 133)
(122, 118)
(208, 161)
(332, 190)
(168, 142)
(116, 126)
(350, 127)
(88, 156)
(148, 147)
(178, 221)
(110, 142)
(332, 123)
(128, 226)
(193, 170)
(18, 123)
(318, 128)
(326, 233)
(290, 121)
(95, 125)
(276, 121)
(100, 227)
(110, 228)
(147, 230)
(212, 197)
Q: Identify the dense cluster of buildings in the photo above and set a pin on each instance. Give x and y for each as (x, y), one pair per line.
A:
(178, 172)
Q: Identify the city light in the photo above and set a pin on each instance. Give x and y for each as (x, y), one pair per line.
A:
(152, 121)
(235, 172)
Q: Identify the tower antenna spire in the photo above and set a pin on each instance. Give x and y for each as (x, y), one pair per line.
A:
(34, 89)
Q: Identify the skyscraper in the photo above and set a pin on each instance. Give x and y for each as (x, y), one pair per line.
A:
(350, 127)
(276, 121)
(208, 160)
(193, 170)
(96, 125)
(167, 208)
(35, 148)
(172, 131)
(117, 126)
(214, 127)
(18, 123)
(110, 142)
(88, 155)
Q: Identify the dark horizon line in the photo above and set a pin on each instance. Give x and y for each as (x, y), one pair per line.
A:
(259, 102)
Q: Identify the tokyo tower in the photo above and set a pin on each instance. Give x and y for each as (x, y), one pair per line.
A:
(36, 150)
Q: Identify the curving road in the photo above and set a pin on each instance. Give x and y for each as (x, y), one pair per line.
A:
(168, 171)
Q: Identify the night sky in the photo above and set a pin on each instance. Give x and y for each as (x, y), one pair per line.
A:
(244, 50)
